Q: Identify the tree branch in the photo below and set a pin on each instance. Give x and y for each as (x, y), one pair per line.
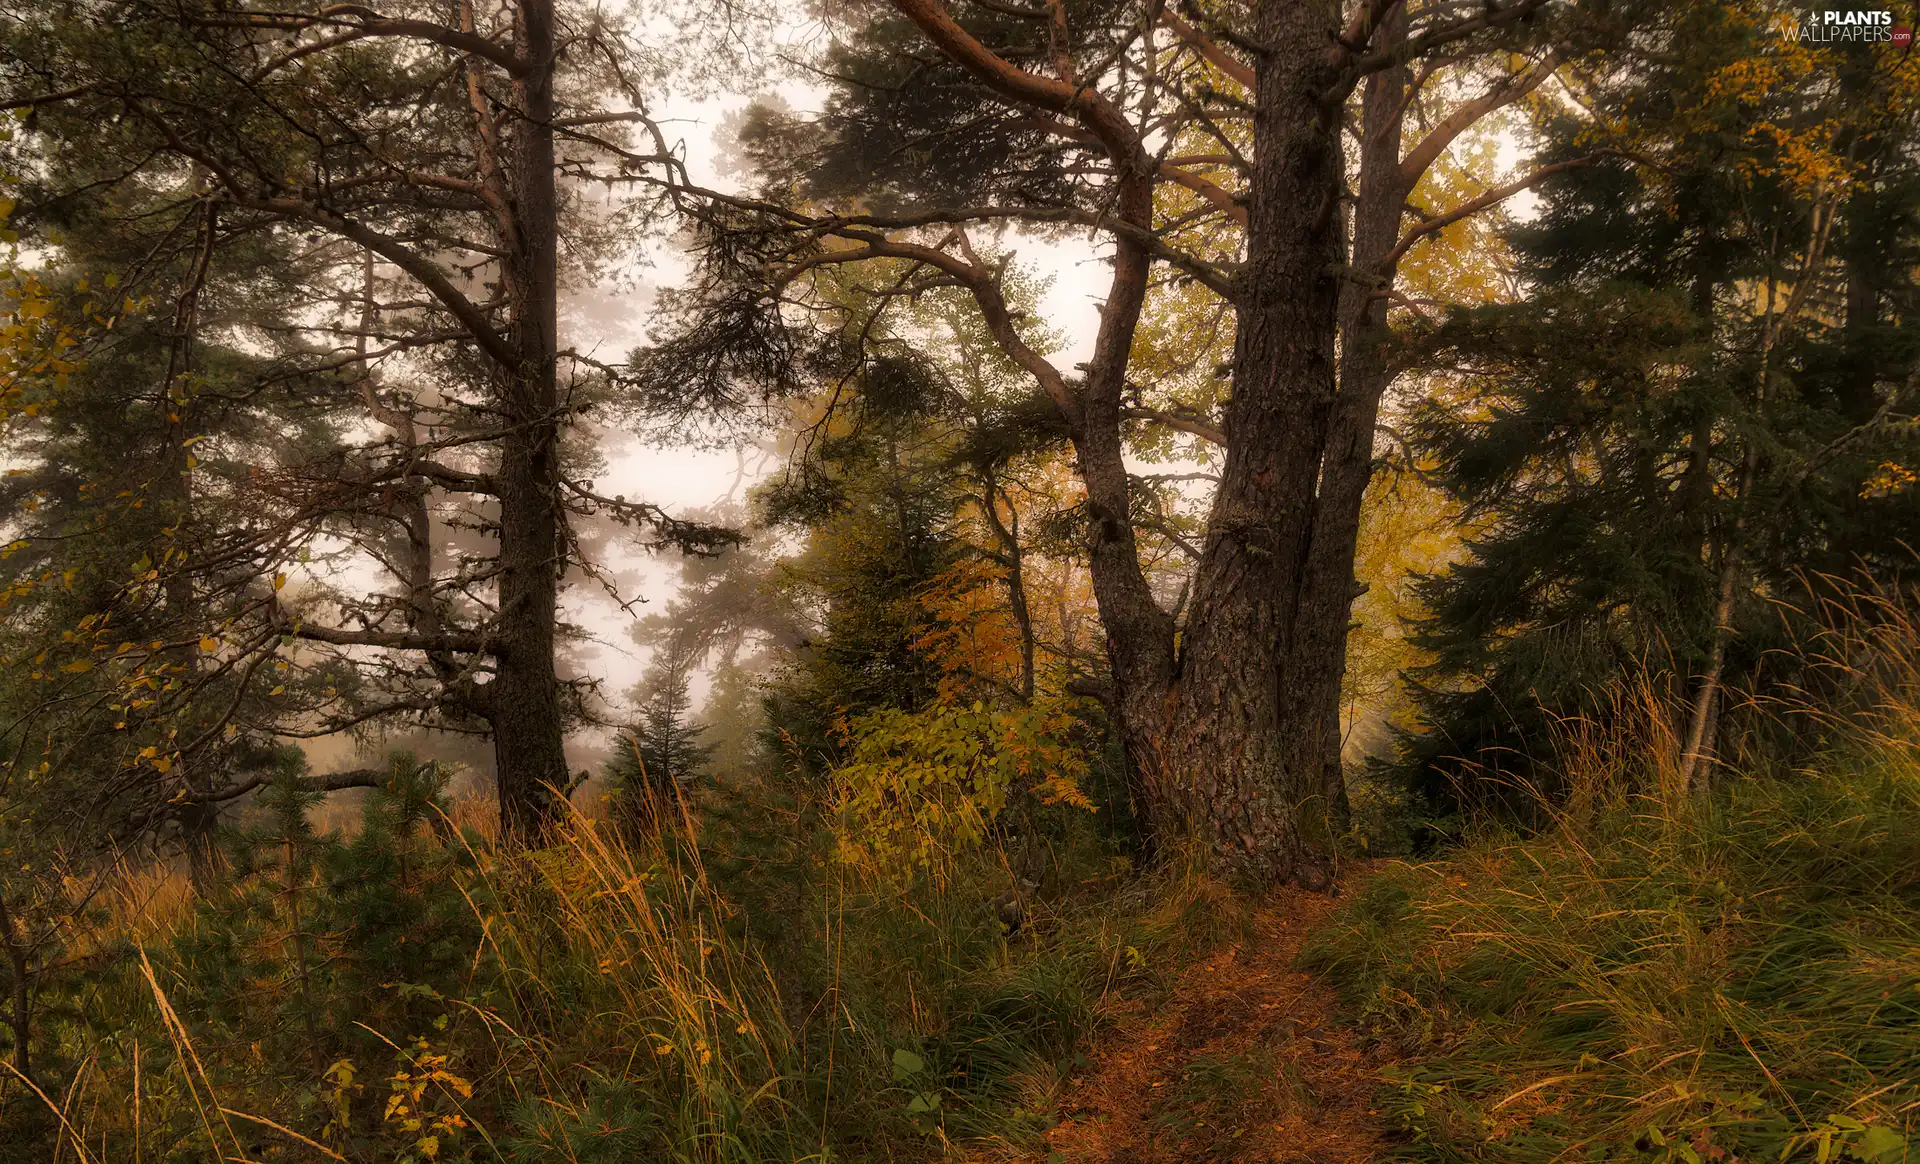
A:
(389, 640)
(1508, 90)
(1210, 52)
(1475, 205)
(1190, 425)
(1084, 104)
(363, 20)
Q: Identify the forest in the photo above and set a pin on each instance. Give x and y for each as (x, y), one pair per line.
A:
(1060, 581)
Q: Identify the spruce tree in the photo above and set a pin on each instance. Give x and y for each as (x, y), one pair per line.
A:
(660, 758)
(1679, 425)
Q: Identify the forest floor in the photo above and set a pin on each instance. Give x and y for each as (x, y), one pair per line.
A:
(1244, 1060)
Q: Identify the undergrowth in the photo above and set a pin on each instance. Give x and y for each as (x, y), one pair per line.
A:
(714, 988)
(1657, 980)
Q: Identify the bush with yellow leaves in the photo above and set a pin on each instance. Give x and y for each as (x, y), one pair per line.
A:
(918, 787)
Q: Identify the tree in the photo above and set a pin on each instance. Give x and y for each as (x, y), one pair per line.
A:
(1203, 145)
(1678, 427)
(138, 526)
(868, 494)
(423, 167)
(663, 754)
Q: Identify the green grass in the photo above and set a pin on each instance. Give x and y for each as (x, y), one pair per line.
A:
(1654, 986)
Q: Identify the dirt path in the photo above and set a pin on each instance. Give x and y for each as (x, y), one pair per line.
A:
(1244, 1062)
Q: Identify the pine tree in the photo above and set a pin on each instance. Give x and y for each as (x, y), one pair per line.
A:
(1203, 145)
(308, 934)
(414, 170)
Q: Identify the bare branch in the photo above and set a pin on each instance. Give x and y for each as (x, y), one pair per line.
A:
(1186, 424)
(1492, 197)
(1210, 52)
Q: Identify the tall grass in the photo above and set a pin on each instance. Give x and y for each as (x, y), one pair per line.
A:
(633, 1012)
(1659, 978)
(407, 992)
(600, 1014)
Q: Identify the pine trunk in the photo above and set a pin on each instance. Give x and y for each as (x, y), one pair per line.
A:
(1235, 743)
(524, 702)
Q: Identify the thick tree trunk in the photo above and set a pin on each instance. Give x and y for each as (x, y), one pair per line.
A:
(1234, 735)
(523, 704)
(1244, 731)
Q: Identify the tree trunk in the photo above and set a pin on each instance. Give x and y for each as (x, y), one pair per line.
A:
(1696, 750)
(1139, 633)
(1325, 612)
(198, 822)
(523, 704)
(1233, 734)
(1245, 732)
(1865, 260)
(1007, 534)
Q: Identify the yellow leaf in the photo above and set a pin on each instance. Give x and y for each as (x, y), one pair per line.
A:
(279, 580)
(276, 690)
(163, 763)
(209, 644)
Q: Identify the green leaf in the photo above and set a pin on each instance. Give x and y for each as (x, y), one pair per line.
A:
(1882, 1145)
(907, 1063)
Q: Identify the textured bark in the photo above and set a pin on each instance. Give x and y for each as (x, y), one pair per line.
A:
(523, 703)
(1241, 725)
